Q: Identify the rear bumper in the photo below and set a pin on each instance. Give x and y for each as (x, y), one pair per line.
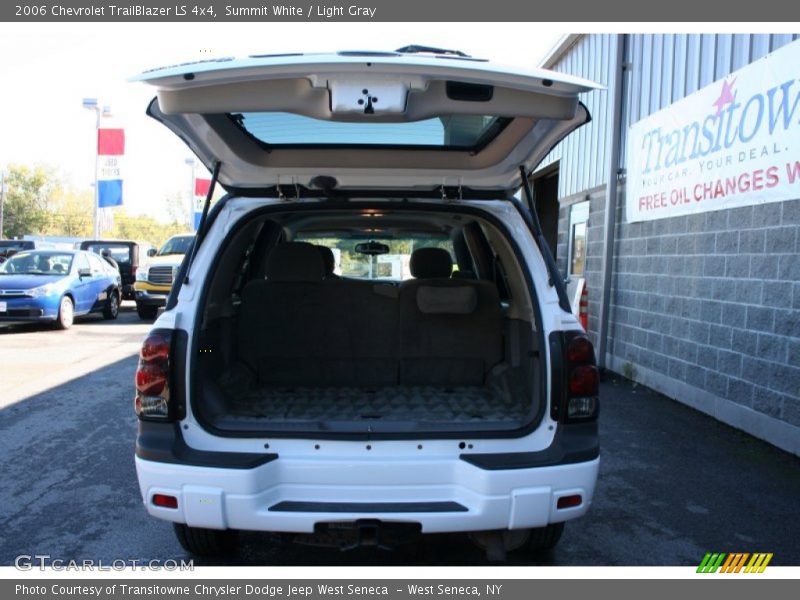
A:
(292, 494)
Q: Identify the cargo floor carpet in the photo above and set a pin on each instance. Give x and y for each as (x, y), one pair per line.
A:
(401, 402)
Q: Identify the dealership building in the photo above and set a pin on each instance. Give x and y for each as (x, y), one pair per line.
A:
(678, 209)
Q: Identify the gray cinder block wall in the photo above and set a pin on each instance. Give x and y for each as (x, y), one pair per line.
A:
(706, 309)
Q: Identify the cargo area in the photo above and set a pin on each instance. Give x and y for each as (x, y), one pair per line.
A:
(300, 347)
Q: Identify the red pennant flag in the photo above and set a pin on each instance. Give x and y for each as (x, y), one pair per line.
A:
(201, 187)
(111, 142)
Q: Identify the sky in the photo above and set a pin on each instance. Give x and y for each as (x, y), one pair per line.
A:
(47, 69)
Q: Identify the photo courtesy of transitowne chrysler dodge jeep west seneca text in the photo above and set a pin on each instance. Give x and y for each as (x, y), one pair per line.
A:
(369, 338)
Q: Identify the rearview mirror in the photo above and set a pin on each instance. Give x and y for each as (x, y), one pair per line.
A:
(84, 272)
(372, 248)
(151, 252)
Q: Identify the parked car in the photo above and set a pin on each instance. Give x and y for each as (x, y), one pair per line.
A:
(275, 395)
(154, 278)
(11, 247)
(57, 286)
(127, 254)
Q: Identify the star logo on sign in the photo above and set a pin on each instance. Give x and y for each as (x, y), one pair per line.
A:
(726, 97)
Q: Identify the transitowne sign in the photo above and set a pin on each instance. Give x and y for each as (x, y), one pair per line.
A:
(733, 143)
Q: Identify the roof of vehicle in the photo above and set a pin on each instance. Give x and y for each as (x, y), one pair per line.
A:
(178, 237)
(27, 252)
(90, 242)
(220, 70)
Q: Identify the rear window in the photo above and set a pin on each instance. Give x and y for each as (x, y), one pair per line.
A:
(389, 266)
(15, 245)
(451, 132)
(120, 253)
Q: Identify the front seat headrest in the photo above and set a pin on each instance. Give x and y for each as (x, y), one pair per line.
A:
(427, 263)
(295, 261)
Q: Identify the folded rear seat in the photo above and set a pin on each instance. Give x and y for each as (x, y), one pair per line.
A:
(371, 313)
(298, 329)
(450, 329)
(291, 328)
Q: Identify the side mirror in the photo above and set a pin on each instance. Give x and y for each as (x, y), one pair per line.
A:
(152, 252)
(84, 273)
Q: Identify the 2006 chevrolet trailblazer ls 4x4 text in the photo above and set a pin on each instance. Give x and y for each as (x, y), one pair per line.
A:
(370, 337)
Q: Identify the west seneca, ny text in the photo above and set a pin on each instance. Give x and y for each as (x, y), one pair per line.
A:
(209, 11)
(269, 590)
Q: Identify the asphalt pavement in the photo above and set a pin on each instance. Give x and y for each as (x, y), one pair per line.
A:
(674, 483)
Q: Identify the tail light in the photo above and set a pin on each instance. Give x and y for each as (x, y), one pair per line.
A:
(576, 380)
(584, 381)
(133, 271)
(152, 377)
(563, 502)
(165, 501)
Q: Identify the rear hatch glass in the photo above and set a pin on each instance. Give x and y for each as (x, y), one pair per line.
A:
(378, 122)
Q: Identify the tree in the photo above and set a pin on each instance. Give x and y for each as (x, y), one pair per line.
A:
(38, 204)
(71, 214)
(28, 200)
(177, 210)
(143, 228)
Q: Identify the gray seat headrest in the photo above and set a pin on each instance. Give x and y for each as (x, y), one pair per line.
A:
(295, 261)
(427, 263)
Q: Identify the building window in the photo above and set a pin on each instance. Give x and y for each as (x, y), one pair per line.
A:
(578, 219)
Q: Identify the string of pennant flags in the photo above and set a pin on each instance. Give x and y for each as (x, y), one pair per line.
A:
(201, 187)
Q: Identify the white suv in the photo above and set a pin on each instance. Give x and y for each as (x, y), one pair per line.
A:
(370, 335)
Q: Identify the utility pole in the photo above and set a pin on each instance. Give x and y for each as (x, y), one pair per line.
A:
(92, 104)
(190, 162)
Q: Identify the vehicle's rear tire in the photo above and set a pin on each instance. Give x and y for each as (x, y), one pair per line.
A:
(111, 310)
(206, 542)
(148, 313)
(543, 538)
(66, 313)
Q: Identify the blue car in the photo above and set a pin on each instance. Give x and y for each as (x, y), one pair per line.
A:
(57, 286)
